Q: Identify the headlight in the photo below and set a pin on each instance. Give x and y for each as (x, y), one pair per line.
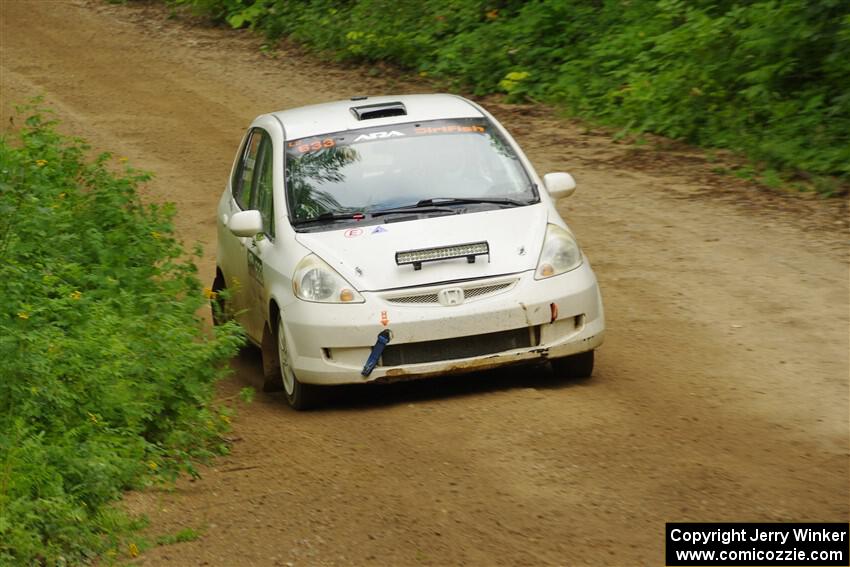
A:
(314, 280)
(560, 253)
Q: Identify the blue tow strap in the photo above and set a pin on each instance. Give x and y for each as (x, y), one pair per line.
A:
(377, 351)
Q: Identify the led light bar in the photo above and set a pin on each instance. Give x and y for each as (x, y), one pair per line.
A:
(468, 251)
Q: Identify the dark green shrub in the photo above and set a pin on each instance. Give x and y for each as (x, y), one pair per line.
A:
(768, 78)
(106, 376)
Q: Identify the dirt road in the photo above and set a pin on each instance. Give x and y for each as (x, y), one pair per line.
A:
(721, 393)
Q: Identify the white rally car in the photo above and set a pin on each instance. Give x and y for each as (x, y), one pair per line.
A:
(397, 237)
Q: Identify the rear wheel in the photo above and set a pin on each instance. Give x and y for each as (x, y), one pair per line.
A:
(575, 366)
(299, 396)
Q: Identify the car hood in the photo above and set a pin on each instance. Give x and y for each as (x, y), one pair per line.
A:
(366, 255)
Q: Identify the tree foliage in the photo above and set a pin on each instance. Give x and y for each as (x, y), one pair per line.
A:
(769, 78)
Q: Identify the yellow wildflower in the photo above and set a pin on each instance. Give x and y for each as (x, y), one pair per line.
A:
(517, 76)
(23, 315)
(512, 80)
(152, 465)
(76, 295)
(225, 418)
(209, 293)
(41, 162)
(156, 235)
(133, 549)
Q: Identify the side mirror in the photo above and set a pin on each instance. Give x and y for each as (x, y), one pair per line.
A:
(246, 223)
(559, 185)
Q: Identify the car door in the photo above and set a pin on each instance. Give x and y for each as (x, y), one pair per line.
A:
(258, 248)
(233, 260)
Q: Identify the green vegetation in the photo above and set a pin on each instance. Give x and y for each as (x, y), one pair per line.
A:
(184, 535)
(768, 78)
(107, 375)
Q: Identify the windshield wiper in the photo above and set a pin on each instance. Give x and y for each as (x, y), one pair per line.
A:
(433, 205)
(438, 204)
(330, 217)
(471, 200)
(417, 208)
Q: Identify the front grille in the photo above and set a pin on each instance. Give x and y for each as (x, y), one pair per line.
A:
(470, 293)
(484, 290)
(460, 347)
(423, 298)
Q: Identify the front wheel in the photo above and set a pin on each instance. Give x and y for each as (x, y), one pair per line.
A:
(575, 366)
(299, 396)
(218, 305)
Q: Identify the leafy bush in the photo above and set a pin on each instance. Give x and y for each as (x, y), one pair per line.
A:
(769, 78)
(107, 376)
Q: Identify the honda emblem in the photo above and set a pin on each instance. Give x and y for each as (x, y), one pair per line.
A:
(451, 296)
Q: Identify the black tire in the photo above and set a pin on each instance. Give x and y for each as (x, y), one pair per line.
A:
(298, 395)
(218, 306)
(575, 366)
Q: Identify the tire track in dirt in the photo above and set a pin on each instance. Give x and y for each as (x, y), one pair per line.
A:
(721, 393)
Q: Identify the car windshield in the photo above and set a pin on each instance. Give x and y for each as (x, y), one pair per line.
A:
(428, 166)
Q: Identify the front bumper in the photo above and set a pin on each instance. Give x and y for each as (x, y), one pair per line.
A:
(329, 343)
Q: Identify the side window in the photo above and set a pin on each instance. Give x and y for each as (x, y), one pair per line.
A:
(236, 176)
(245, 171)
(262, 192)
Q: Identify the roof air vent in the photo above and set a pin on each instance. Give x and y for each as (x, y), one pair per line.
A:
(382, 110)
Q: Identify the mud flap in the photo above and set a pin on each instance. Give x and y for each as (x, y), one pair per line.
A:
(377, 351)
(271, 362)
